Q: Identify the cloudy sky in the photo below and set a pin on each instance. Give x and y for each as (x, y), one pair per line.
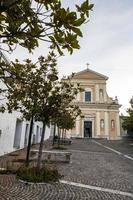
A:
(107, 46)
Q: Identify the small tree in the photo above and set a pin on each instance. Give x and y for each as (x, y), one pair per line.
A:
(68, 111)
(37, 94)
(59, 101)
(28, 90)
(128, 120)
(66, 121)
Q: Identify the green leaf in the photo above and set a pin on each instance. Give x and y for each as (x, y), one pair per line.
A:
(75, 45)
(59, 50)
(79, 21)
(77, 31)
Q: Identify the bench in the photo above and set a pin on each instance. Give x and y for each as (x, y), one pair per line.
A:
(64, 141)
(53, 155)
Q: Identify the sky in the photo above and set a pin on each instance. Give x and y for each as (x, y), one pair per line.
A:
(107, 45)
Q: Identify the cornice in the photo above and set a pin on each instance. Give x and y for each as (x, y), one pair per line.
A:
(96, 105)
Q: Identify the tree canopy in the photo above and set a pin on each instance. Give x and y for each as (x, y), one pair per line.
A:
(25, 22)
(67, 120)
(30, 85)
(35, 90)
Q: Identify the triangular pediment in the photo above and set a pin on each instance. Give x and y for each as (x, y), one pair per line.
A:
(89, 74)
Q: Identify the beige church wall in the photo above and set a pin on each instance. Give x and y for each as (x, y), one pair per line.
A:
(73, 131)
(118, 125)
(81, 96)
(104, 97)
(112, 130)
(94, 94)
(77, 130)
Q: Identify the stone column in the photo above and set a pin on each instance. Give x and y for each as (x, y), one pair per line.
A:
(117, 125)
(106, 122)
(97, 93)
(93, 128)
(98, 123)
(81, 98)
(78, 121)
(78, 97)
(82, 128)
(105, 93)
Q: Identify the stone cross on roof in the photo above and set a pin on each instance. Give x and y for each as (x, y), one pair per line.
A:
(87, 65)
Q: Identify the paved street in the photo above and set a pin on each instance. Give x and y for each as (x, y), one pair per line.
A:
(100, 170)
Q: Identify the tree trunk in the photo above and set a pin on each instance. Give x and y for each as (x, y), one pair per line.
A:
(41, 147)
(62, 135)
(58, 137)
(54, 134)
(29, 142)
(65, 134)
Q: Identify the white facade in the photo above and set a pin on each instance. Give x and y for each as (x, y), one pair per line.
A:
(14, 131)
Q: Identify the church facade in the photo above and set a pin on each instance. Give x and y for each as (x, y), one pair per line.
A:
(100, 113)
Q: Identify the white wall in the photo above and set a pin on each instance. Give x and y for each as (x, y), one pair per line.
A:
(8, 127)
(47, 133)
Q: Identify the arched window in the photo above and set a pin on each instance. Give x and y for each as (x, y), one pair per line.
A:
(102, 123)
(112, 124)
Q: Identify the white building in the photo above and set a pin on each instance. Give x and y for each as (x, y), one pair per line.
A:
(14, 131)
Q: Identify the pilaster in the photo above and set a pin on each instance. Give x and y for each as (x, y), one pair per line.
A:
(106, 119)
(98, 122)
(97, 93)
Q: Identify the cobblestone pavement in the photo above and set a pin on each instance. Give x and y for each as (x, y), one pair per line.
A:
(91, 164)
(11, 189)
(97, 166)
(125, 146)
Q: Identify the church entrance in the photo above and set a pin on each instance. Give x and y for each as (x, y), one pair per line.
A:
(88, 129)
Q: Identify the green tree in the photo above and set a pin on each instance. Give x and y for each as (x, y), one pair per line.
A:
(59, 100)
(25, 22)
(128, 120)
(38, 95)
(68, 110)
(29, 88)
(66, 121)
